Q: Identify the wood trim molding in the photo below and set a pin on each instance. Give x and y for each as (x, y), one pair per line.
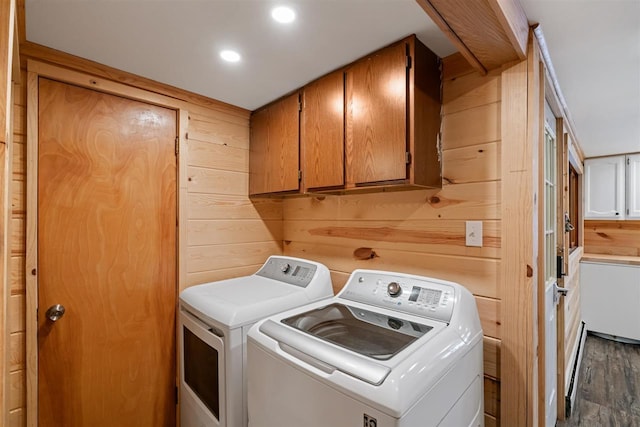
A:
(574, 155)
(62, 59)
(555, 85)
(7, 68)
(537, 129)
(35, 70)
(563, 241)
(21, 21)
(183, 155)
(15, 71)
(31, 261)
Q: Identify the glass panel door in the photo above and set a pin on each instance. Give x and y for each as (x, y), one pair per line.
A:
(550, 270)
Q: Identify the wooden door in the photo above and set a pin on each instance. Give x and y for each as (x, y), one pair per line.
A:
(377, 117)
(322, 132)
(107, 253)
(274, 155)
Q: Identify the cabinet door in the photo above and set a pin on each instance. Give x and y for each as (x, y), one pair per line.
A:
(604, 187)
(610, 297)
(633, 186)
(273, 155)
(377, 117)
(322, 132)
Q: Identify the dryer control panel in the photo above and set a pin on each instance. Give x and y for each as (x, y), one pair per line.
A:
(420, 296)
(289, 270)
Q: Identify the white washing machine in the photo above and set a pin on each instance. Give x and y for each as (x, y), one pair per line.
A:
(390, 349)
(214, 321)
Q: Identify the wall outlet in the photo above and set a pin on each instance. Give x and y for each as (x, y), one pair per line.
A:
(474, 233)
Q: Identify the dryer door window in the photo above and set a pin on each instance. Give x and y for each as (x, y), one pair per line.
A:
(202, 373)
(201, 370)
(369, 333)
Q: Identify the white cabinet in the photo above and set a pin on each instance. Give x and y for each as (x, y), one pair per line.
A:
(610, 298)
(604, 188)
(633, 186)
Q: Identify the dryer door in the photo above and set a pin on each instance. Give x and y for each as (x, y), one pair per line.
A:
(202, 373)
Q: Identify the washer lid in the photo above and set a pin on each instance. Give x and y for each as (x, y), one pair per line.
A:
(372, 334)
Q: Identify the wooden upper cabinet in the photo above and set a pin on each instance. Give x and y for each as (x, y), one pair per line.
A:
(373, 125)
(274, 153)
(393, 117)
(322, 132)
(377, 117)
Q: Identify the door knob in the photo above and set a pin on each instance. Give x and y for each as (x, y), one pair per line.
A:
(55, 312)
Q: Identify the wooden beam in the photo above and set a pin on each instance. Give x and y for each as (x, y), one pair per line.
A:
(487, 33)
(441, 22)
(518, 268)
(514, 23)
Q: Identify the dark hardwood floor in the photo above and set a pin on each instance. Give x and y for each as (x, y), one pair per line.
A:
(608, 386)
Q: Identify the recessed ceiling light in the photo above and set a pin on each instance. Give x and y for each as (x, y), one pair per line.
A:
(230, 55)
(283, 14)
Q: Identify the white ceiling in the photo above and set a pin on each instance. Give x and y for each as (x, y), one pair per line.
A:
(177, 41)
(595, 49)
(594, 46)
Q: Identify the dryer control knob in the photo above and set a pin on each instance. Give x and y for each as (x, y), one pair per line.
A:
(285, 268)
(394, 289)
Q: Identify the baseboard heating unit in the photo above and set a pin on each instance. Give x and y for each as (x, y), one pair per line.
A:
(570, 398)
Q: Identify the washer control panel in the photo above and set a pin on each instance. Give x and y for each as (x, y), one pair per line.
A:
(288, 270)
(415, 295)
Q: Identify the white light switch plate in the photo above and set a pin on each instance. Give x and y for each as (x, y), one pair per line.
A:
(474, 233)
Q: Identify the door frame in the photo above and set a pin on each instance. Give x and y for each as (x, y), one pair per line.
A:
(35, 70)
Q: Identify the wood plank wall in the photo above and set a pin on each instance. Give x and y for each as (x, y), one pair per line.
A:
(612, 237)
(227, 234)
(417, 233)
(570, 308)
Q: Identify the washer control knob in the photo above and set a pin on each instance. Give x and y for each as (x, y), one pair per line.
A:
(285, 268)
(394, 289)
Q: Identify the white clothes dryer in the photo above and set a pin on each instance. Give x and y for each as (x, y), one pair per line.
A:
(390, 350)
(213, 324)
